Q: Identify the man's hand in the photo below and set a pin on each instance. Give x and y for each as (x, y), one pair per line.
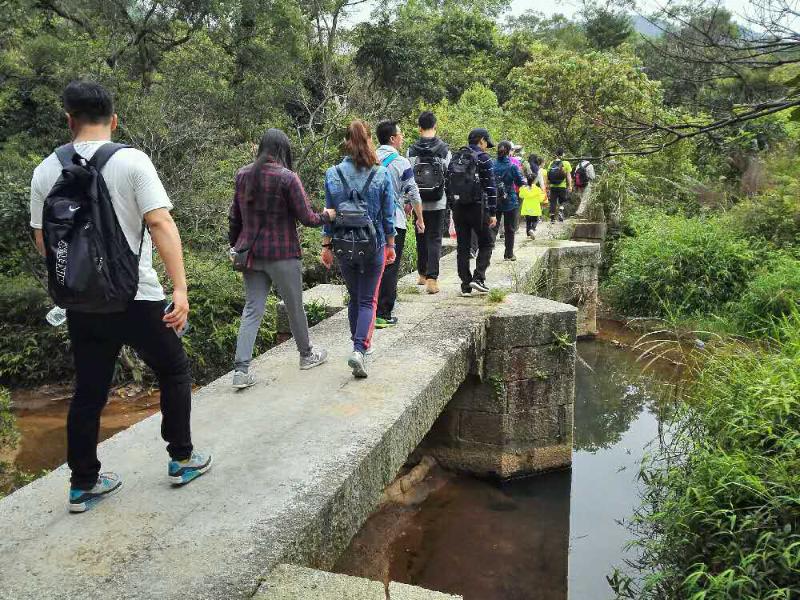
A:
(420, 226)
(326, 258)
(38, 241)
(180, 311)
(407, 207)
(492, 221)
(390, 255)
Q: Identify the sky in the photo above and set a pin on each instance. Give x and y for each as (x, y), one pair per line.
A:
(569, 7)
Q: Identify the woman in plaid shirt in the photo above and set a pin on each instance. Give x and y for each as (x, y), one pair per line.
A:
(268, 201)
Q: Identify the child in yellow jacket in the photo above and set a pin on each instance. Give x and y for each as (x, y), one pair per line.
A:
(532, 197)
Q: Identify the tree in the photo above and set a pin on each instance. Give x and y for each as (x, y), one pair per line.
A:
(605, 27)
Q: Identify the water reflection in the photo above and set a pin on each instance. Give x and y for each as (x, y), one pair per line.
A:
(550, 537)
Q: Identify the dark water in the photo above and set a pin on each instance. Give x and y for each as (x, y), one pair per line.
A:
(550, 537)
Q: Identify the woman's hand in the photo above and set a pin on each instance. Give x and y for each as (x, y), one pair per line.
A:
(390, 255)
(326, 258)
(331, 214)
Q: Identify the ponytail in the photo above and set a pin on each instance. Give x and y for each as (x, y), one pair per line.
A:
(358, 145)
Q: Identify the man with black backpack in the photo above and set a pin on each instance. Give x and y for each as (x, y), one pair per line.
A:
(472, 194)
(559, 179)
(96, 209)
(430, 157)
(582, 176)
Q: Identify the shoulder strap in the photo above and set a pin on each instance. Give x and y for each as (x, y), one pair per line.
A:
(65, 153)
(344, 181)
(365, 189)
(389, 159)
(104, 153)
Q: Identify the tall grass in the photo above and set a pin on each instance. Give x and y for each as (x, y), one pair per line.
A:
(721, 511)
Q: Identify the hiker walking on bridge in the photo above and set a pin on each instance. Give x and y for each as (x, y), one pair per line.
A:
(407, 199)
(508, 178)
(363, 235)
(96, 209)
(472, 194)
(559, 180)
(268, 201)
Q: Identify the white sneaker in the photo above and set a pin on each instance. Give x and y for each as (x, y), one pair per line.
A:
(356, 362)
(243, 380)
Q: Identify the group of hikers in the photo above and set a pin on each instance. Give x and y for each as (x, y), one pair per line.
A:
(98, 207)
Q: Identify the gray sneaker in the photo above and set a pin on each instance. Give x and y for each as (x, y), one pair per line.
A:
(357, 363)
(243, 380)
(316, 358)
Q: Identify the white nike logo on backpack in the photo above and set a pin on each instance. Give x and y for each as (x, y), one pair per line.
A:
(74, 208)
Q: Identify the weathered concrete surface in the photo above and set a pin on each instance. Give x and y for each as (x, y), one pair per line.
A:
(401, 591)
(301, 459)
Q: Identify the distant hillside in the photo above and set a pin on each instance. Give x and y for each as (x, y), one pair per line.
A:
(645, 27)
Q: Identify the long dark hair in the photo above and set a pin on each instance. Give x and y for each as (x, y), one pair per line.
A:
(503, 149)
(358, 145)
(274, 147)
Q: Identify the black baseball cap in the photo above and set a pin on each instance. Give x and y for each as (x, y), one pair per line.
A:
(478, 133)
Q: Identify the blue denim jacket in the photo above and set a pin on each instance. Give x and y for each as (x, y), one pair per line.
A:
(510, 175)
(380, 196)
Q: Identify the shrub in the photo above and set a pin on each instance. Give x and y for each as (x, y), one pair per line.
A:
(721, 517)
(774, 217)
(678, 265)
(772, 294)
(31, 351)
(8, 423)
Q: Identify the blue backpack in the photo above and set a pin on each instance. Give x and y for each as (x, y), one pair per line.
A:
(354, 238)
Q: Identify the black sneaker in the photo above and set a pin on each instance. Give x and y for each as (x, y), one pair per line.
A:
(466, 291)
(479, 286)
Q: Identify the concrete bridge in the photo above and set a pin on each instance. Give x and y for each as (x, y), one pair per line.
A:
(302, 458)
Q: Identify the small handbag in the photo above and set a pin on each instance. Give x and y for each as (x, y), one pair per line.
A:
(243, 258)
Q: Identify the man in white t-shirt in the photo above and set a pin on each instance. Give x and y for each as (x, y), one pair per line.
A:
(138, 197)
(584, 176)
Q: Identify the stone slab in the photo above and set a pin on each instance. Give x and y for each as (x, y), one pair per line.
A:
(289, 582)
(523, 321)
(401, 591)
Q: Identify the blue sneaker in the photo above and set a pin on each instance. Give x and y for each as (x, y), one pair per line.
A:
(181, 472)
(107, 485)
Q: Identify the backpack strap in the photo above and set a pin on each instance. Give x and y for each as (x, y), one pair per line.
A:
(389, 159)
(104, 153)
(344, 181)
(365, 189)
(65, 153)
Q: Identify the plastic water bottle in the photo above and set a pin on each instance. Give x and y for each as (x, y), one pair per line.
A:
(57, 316)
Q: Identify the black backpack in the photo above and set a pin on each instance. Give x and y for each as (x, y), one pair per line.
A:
(429, 175)
(556, 174)
(463, 178)
(90, 266)
(354, 237)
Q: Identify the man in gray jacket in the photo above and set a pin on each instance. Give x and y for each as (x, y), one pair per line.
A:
(391, 143)
(430, 157)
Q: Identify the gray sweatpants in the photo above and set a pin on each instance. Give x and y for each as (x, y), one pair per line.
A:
(287, 275)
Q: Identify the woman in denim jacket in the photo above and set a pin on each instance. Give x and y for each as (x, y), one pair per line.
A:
(363, 281)
(509, 175)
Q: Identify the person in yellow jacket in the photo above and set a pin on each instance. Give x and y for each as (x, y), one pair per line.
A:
(532, 197)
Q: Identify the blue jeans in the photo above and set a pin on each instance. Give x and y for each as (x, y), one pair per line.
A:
(362, 288)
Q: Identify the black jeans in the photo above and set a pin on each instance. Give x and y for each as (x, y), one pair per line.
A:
(469, 219)
(531, 223)
(558, 197)
(96, 342)
(510, 221)
(429, 244)
(387, 295)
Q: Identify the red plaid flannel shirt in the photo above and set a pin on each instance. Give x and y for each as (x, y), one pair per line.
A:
(275, 212)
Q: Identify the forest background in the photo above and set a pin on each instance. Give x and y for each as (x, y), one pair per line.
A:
(692, 127)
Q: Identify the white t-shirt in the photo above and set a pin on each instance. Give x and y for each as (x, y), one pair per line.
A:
(135, 189)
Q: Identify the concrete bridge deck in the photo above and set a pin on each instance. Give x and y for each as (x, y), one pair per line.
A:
(300, 461)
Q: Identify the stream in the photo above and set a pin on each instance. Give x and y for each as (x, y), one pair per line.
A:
(549, 537)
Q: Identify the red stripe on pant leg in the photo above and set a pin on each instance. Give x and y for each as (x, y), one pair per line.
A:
(368, 341)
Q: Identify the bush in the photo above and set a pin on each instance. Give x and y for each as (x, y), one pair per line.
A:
(8, 423)
(721, 517)
(31, 351)
(774, 217)
(771, 295)
(680, 266)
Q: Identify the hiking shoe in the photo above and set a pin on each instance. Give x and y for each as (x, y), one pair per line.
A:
(107, 485)
(479, 286)
(510, 258)
(383, 323)
(315, 359)
(243, 380)
(531, 234)
(432, 286)
(421, 280)
(560, 214)
(181, 472)
(356, 362)
(466, 291)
